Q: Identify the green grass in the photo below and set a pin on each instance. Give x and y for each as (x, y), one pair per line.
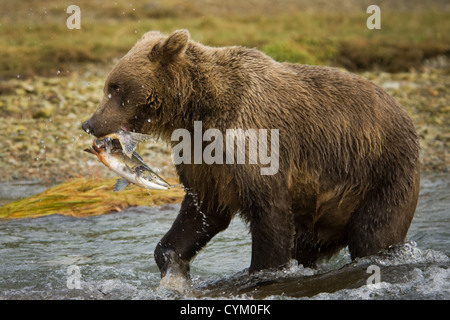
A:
(35, 40)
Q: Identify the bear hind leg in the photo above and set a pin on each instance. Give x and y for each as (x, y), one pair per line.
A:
(309, 254)
(381, 222)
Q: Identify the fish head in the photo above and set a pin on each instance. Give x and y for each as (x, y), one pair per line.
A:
(143, 173)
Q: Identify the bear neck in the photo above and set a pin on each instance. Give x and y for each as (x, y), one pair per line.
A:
(214, 86)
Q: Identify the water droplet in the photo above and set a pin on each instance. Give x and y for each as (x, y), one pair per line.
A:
(18, 76)
(58, 72)
(149, 120)
(109, 96)
(135, 31)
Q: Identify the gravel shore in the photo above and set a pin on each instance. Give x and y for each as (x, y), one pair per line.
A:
(42, 140)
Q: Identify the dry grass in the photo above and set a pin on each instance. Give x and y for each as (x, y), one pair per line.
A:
(88, 197)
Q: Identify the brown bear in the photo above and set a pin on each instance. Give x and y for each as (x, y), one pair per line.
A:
(348, 171)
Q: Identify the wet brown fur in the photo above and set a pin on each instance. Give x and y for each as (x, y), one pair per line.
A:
(348, 152)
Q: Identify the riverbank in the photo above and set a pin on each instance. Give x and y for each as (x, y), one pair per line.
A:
(41, 137)
(52, 77)
(41, 140)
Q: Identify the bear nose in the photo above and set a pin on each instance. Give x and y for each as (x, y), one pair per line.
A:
(86, 126)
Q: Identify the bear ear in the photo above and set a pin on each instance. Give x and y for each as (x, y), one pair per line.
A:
(170, 48)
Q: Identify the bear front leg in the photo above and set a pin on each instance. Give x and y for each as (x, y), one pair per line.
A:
(190, 232)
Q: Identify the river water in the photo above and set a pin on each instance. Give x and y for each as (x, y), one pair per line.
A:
(111, 257)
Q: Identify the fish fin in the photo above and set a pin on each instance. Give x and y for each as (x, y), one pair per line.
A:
(139, 137)
(128, 147)
(120, 185)
(143, 164)
(89, 150)
(145, 172)
(130, 140)
(135, 154)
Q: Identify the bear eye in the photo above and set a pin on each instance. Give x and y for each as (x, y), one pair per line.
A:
(115, 88)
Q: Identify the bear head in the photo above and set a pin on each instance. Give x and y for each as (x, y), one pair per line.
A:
(145, 88)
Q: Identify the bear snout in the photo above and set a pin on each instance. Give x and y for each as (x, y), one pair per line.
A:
(100, 127)
(87, 127)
